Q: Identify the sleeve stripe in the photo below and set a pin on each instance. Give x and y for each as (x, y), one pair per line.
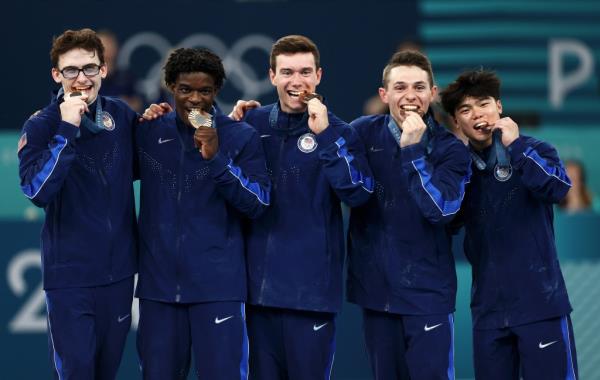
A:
(253, 187)
(558, 173)
(32, 189)
(355, 175)
(445, 207)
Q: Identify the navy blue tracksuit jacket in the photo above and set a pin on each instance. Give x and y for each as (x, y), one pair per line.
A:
(191, 243)
(509, 238)
(295, 249)
(399, 250)
(85, 186)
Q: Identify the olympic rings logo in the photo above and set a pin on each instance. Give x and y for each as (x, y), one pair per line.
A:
(242, 76)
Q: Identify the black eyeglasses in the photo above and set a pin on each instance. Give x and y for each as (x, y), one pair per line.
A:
(72, 72)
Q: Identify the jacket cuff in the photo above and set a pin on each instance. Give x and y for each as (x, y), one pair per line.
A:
(327, 137)
(67, 130)
(516, 149)
(218, 164)
(412, 152)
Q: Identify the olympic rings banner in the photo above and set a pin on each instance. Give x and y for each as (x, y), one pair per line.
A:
(355, 40)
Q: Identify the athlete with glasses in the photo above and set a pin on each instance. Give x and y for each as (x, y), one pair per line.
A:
(76, 161)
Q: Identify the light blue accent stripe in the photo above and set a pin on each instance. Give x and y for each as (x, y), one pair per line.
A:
(32, 189)
(443, 31)
(536, 84)
(253, 187)
(567, 341)
(445, 207)
(332, 348)
(493, 56)
(56, 357)
(556, 172)
(476, 57)
(355, 175)
(542, 105)
(451, 352)
(244, 371)
(571, 104)
(464, 8)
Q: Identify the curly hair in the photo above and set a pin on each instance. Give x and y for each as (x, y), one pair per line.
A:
(85, 39)
(194, 60)
(478, 84)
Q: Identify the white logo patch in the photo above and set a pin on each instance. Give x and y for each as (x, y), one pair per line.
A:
(307, 143)
(544, 345)
(161, 141)
(427, 328)
(107, 121)
(219, 321)
(319, 327)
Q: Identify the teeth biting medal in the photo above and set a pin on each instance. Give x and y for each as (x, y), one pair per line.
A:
(306, 96)
(199, 118)
(483, 125)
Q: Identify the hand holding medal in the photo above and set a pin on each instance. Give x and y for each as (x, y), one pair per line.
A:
(413, 125)
(317, 111)
(510, 130)
(73, 107)
(205, 136)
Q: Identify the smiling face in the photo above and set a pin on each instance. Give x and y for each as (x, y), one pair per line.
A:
(193, 91)
(474, 115)
(79, 58)
(293, 74)
(407, 89)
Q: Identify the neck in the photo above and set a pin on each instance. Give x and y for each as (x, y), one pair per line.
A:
(290, 111)
(398, 123)
(480, 145)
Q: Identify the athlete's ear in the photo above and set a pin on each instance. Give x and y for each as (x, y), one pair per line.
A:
(383, 95)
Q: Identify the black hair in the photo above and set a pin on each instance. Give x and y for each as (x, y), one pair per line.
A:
(478, 84)
(194, 60)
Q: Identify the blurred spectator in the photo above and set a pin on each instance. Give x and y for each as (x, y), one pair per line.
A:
(579, 198)
(119, 82)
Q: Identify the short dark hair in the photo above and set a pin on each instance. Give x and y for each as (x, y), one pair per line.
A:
(479, 84)
(194, 60)
(85, 39)
(293, 44)
(407, 58)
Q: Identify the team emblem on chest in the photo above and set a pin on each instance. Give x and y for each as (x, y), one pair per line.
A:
(307, 143)
(107, 121)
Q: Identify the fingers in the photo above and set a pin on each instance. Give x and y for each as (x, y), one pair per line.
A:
(413, 121)
(251, 104)
(315, 106)
(156, 110)
(204, 134)
(72, 108)
(166, 107)
(241, 107)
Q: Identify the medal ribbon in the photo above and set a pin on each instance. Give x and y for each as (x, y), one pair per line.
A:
(498, 154)
(274, 116)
